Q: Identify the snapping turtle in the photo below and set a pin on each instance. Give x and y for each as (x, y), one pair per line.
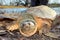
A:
(34, 19)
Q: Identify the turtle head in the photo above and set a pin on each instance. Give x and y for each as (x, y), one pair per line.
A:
(28, 27)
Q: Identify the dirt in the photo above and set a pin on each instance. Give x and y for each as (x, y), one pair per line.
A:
(17, 36)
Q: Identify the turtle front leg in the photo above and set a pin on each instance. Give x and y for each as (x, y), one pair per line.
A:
(44, 29)
(46, 26)
(13, 27)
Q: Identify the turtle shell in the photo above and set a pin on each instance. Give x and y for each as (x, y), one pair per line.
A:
(43, 12)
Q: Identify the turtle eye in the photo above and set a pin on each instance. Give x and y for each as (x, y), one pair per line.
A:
(23, 25)
(29, 23)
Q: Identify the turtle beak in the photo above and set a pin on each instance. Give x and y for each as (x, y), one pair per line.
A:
(28, 28)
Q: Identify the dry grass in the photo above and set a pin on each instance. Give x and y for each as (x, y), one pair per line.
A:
(12, 7)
